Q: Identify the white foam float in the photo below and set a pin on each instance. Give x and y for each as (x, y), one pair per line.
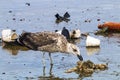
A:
(92, 42)
(9, 35)
(75, 34)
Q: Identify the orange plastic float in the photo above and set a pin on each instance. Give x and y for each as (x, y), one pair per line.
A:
(110, 25)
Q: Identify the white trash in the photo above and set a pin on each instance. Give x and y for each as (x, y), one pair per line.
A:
(75, 34)
(9, 35)
(92, 42)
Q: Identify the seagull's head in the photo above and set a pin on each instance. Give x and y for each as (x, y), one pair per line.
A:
(71, 48)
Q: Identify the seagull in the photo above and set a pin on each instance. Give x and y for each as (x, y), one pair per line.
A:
(48, 42)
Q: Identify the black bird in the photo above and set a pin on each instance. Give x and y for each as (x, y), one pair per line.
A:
(66, 33)
(66, 15)
(58, 17)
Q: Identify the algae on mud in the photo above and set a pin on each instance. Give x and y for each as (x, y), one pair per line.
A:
(87, 68)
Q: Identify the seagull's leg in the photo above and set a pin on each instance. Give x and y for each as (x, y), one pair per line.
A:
(51, 64)
(50, 59)
(43, 61)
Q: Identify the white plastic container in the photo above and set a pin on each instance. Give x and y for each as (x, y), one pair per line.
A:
(92, 42)
(9, 35)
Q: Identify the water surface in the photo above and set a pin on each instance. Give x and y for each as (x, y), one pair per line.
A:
(25, 64)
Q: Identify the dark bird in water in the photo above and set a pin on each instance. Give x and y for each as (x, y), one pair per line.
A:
(65, 17)
(48, 42)
(58, 17)
(65, 32)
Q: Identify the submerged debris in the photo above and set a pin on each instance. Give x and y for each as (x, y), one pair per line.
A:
(86, 68)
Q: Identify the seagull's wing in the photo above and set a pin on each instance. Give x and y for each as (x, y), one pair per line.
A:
(35, 40)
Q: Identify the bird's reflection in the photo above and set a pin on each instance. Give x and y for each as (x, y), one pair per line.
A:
(92, 50)
(13, 48)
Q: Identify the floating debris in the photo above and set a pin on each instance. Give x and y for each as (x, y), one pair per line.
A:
(103, 32)
(65, 17)
(87, 68)
(75, 34)
(9, 35)
(92, 42)
(110, 26)
(28, 4)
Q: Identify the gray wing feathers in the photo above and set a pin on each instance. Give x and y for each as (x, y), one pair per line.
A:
(35, 40)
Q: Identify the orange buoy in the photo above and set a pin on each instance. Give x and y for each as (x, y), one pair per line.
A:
(110, 25)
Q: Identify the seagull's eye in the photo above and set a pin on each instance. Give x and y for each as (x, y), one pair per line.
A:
(75, 50)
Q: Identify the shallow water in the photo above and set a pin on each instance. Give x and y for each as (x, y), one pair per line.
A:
(25, 64)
